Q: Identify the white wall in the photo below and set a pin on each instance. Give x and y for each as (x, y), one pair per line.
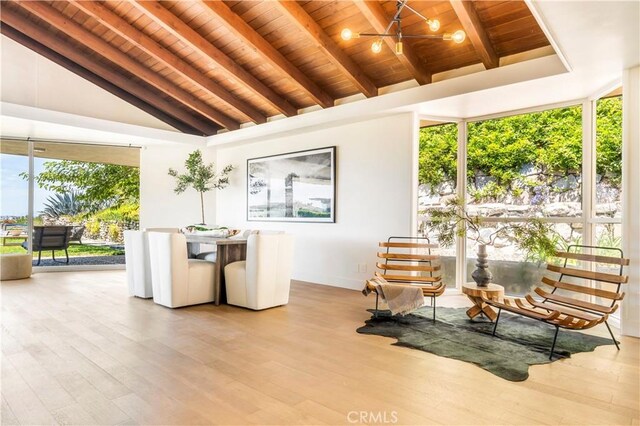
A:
(374, 196)
(32, 80)
(159, 205)
(631, 198)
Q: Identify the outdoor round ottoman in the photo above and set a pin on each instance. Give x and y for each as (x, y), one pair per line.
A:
(15, 266)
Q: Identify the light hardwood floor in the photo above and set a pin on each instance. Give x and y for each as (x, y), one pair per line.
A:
(77, 350)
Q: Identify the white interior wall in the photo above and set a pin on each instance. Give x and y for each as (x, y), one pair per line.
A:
(30, 79)
(160, 207)
(373, 196)
(631, 198)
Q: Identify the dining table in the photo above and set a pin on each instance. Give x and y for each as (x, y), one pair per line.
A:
(228, 250)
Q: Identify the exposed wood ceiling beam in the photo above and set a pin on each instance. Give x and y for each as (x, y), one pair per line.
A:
(191, 37)
(56, 57)
(244, 31)
(121, 27)
(115, 55)
(375, 14)
(71, 52)
(479, 38)
(309, 26)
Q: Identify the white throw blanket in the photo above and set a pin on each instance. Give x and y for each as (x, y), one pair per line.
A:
(401, 299)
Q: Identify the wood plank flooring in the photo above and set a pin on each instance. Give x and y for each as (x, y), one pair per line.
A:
(77, 350)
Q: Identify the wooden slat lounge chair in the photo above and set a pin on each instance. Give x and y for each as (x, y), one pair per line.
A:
(411, 261)
(561, 306)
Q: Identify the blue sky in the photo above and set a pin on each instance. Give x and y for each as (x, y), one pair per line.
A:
(13, 201)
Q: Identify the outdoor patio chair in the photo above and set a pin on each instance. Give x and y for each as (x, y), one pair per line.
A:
(411, 261)
(50, 238)
(76, 233)
(580, 298)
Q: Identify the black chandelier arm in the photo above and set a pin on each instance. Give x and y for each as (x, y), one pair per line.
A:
(431, 36)
(400, 4)
(416, 12)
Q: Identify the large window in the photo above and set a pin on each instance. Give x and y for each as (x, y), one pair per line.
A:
(14, 198)
(608, 157)
(92, 189)
(437, 182)
(523, 166)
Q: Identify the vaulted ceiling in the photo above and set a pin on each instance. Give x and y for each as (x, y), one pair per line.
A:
(202, 66)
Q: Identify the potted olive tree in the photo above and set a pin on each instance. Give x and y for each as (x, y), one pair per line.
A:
(530, 235)
(201, 177)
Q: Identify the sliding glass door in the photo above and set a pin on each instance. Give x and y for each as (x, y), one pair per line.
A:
(90, 190)
(14, 201)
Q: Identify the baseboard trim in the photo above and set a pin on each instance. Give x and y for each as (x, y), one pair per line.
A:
(75, 268)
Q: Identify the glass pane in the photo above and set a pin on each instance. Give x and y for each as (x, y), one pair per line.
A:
(609, 235)
(92, 189)
(437, 183)
(526, 165)
(519, 272)
(608, 157)
(14, 202)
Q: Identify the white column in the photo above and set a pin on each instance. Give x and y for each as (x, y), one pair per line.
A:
(588, 166)
(461, 248)
(631, 198)
(30, 202)
(415, 168)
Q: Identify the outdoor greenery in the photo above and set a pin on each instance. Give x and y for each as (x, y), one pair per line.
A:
(200, 176)
(97, 185)
(128, 212)
(609, 140)
(75, 250)
(521, 152)
(534, 237)
(67, 204)
(103, 197)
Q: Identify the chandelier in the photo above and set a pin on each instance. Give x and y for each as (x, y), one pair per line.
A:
(433, 24)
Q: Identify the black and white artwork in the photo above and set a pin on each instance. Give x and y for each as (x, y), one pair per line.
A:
(293, 187)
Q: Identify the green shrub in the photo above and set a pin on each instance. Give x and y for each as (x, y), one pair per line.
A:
(490, 192)
(123, 213)
(113, 232)
(517, 192)
(438, 155)
(92, 228)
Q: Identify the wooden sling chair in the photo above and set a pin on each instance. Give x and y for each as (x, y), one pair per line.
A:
(410, 261)
(561, 307)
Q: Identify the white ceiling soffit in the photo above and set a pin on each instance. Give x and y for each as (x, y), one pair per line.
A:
(598, 40)
(19, 121)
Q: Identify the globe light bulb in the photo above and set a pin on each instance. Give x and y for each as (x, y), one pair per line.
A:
(458, 36)
(399, 48)
(346, 34)
(376, 46)
(434, 24)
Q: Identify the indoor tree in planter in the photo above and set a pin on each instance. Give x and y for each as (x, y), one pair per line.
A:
(201, 177)
(531, 235)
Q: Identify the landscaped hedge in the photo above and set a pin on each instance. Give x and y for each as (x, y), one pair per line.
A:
(514, 155)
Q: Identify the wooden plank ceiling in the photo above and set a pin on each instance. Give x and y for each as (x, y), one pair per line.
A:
(202, 66)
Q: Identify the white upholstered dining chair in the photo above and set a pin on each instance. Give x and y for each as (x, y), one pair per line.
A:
(136, 255)
(178, 281)
(137, 263)
(263, 280)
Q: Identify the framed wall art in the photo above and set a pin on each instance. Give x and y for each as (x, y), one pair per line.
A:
(294, 187)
